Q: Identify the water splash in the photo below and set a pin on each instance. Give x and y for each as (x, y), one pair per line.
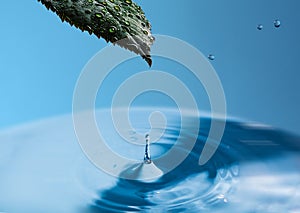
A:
(248, 153)
(147, 156)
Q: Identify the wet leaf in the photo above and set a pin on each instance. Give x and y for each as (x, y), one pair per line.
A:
(121, 22)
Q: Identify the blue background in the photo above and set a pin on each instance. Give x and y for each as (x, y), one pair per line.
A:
(41, 58)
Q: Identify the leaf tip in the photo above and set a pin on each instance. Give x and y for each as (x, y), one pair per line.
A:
(148, 59)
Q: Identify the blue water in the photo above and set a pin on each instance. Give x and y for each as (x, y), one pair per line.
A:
(255, 169)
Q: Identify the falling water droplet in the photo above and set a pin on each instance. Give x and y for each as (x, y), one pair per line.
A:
(147, 157)
(277, 23)
(211, 57)
(260, 27)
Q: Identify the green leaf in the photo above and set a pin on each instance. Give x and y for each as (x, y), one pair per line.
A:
(121, 22)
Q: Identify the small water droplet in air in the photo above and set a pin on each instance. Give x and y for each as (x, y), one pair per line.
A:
(277, 23)
(260, 27)
(211, 57)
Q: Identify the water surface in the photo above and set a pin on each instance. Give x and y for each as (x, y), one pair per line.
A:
(255, 169)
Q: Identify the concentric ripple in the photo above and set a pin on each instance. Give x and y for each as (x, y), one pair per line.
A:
(255, 169)
(212, 187)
